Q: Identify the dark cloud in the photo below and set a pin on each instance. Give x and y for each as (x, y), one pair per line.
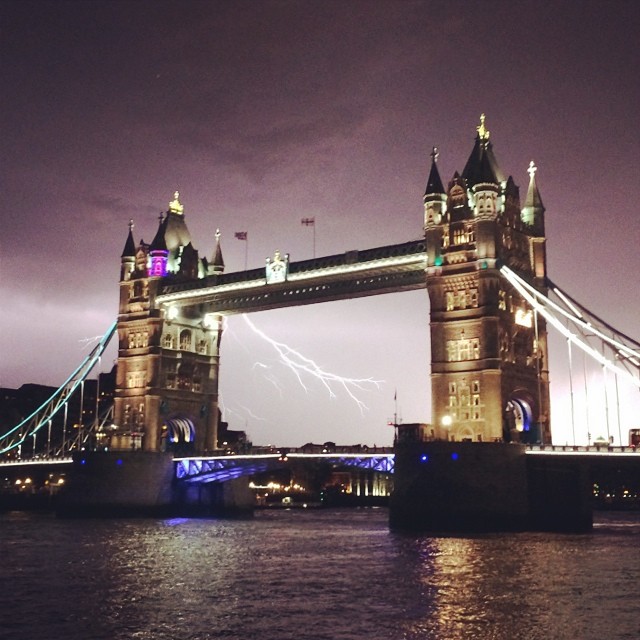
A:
(261, 113)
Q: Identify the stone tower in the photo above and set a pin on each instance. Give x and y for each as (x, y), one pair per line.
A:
(489, 365)
(168, 359)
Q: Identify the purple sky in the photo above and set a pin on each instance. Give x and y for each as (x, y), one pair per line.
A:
(262, 113)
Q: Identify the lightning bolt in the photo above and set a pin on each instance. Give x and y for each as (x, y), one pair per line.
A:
(251, 414)
(268, 376)
(299, 365)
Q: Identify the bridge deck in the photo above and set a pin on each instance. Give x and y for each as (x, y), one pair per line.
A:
(353, 274)
(221, 468)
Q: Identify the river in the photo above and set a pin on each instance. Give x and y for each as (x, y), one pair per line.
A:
(312, 575)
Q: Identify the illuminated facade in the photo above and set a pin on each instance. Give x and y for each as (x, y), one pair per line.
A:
(489, 362)
(167, 374)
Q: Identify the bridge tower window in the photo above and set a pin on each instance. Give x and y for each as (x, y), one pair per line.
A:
(167, 341)
(451, 300)
(463, 349)
(185, 340)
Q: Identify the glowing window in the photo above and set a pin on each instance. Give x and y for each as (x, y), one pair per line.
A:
(451, 300)
(167, 341)
(185, 340)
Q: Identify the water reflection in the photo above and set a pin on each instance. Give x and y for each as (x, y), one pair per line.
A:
(530, 586)
(312, 575)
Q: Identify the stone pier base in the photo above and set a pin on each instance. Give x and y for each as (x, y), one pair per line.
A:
(142, 483)
(126, 483)
(460, 487)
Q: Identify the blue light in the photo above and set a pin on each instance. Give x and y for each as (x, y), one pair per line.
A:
(454, 456)
(119, 462)
(83, 461)
(424, 458)
(172, 522)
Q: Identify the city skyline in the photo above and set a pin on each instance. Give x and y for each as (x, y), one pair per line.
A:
(262, 116)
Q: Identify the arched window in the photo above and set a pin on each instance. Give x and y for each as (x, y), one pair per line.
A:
(185, 340)
(167, 341)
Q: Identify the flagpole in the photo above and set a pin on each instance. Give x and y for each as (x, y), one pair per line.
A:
(311, 222)
(395, 409)
(244, 236)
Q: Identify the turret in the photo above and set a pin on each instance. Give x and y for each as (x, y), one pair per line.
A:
(435, 212)
(217, 263)
(128, 257)
(533, 209)
(483, 176)
(533, 215)
(482, 166)
(435, 198)
(159, 252)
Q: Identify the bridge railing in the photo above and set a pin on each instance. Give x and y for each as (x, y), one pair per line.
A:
(583, 449)
(229, 465)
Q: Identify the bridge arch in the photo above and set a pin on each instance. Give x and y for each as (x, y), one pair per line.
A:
(521, 417)
(179, 434)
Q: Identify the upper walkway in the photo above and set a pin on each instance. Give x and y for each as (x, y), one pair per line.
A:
(399, 267)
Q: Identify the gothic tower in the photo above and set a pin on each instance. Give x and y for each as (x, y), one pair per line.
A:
(168, 358)
(489, 376)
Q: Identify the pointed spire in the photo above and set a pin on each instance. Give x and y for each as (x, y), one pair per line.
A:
(217, 262)
(159, 243)
(176, 233)
(129, 250)
(533, 208)
(434, 183)
(158, 251)
(482, 166)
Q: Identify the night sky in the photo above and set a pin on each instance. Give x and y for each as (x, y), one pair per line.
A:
(262, 113)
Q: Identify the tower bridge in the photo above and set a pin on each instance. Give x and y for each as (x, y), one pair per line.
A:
(482, 261)
(489, 364)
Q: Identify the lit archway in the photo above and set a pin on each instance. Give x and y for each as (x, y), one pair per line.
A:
(179, 434)
(520, 418)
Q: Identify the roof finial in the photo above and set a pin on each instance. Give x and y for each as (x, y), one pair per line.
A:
(174, 205)
(532, 170)
(434, 154)
(218, 234)
(483, 132)
(131, 225)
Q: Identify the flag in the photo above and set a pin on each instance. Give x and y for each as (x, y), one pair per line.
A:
(241, 235)
(308, 222)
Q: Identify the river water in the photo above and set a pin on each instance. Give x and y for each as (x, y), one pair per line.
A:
(312, 575)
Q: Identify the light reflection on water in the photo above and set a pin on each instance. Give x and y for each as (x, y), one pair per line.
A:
(334, 575)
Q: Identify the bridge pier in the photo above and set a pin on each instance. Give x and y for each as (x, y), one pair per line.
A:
(231, 498)
(143, 483)
(460, 487)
